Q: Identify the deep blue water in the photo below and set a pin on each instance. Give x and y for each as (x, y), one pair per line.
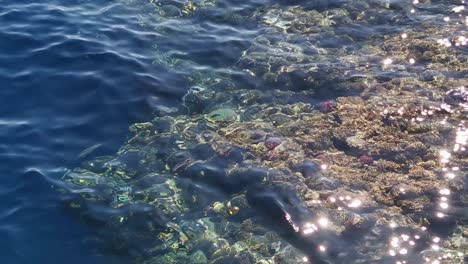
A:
(76, 74)
(73, 74)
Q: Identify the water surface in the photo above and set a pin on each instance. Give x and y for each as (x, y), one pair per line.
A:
(239, 79)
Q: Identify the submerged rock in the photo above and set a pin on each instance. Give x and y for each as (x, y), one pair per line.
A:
(262, 175)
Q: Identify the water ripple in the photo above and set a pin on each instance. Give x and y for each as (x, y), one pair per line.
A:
(73, 74)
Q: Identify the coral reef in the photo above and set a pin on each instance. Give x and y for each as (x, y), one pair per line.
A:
(348, 146)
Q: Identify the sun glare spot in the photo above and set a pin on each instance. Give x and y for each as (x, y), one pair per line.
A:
(387, 61)
(323, 222)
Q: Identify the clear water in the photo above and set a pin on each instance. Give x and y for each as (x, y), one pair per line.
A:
(74, 74)
(77, 74)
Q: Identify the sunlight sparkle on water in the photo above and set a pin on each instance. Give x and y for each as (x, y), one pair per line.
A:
(322, 248)
(400, 245)
(444, 42)
(461, 137)
(450, 175)
(460, 41)
(443, 205)
(444, 191)
(288, 218)
(395, 242)
(458, 9)
(309, 228)
(323, 222)
(444, 156)
(355, 203)
(387, 61)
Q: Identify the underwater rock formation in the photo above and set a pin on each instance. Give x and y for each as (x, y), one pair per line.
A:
(343, 149)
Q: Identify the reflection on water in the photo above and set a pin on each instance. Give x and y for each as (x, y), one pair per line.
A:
(326, 133)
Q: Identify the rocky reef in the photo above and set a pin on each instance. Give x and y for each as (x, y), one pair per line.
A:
(338, 144)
